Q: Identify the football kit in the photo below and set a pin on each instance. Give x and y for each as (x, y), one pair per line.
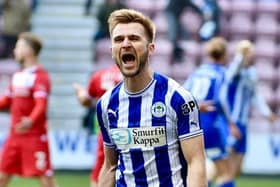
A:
(27, 153)
(205, 84)
(100, 82)
(145, 129)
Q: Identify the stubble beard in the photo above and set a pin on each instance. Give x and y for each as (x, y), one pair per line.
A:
(143, 61)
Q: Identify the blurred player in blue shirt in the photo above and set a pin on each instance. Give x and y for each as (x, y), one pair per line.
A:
(205, 84)
(240, 92)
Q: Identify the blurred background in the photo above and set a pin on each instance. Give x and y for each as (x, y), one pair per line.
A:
(76, 45)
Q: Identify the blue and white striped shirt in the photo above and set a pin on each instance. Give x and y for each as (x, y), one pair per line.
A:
(241, 91)
(145, 128)
(205, 84)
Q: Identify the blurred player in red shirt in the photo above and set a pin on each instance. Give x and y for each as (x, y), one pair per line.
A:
(26, 152)
(100, 82)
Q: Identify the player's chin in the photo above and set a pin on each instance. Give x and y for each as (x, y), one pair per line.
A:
(129, 73)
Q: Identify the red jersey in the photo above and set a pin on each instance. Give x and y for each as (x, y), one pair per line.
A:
(104, 80)
(27, 87)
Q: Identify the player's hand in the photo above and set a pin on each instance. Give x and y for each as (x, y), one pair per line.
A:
(244, 47)
(272, 118)
(77, 86)
(206, 106)
(82, 94)
(79, 90)
(234, 131)
(24, 125)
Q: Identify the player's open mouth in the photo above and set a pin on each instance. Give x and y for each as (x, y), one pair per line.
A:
(128, 58)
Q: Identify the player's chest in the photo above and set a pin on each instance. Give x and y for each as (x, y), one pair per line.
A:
(22, 84)
(141, 128)
(139, 111)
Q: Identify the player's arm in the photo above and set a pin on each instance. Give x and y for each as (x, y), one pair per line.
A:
(193, 150)
(234, 67)
(260, 103)
(107, 173)
(5, 102)
(190, 135)
(82, 95)
(244, 51)
(199, 88)
(40, 96)
(38, 111)
(88, 96)
(223, 101)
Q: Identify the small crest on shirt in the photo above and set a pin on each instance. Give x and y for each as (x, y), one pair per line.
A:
(158, 109)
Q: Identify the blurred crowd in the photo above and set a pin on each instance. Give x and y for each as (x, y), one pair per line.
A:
(15, 18)
(207, 10)
(183, 27)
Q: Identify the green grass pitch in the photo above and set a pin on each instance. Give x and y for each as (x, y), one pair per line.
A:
(81, 179)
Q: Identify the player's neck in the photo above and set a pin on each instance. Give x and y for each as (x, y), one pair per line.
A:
(139, 82)
(29, 62)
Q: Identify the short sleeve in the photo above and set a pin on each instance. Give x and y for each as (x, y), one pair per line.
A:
(103, 124)
(94, 86)
(42, 86)
(187, 114)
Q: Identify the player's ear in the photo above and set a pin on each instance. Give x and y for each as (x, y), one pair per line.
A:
(151, 48)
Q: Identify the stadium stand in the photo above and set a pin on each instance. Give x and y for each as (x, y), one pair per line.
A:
(241, 6)
(266, 26)
(270, 7)
(67, 36)
(241, 26)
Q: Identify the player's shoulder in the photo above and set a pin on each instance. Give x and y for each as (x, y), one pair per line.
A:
(113, 92)
(42, 74)
(183, 92)
(174, 86)
(41, 71)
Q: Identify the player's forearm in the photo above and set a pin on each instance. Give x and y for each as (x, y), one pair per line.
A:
(193, 150)
(83, 98)
(39, 110)
(261, 104)
(107, 177)
(5, 103)
(197, 173)
(234, 67)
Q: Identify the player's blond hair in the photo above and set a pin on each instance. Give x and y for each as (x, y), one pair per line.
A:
(216, 48)
(33, 41)
(132, 16)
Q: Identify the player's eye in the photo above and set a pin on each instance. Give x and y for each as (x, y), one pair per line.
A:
(118, 39)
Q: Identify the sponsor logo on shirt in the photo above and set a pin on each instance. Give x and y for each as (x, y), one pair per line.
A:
(141, 137)
(194, 126)
(112, 112)
(158, 109)
(188, 107)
